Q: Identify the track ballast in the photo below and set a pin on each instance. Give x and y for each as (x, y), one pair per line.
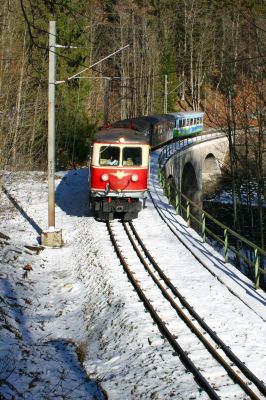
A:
(185, 330)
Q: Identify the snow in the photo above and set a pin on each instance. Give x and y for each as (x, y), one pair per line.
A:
(72, 327)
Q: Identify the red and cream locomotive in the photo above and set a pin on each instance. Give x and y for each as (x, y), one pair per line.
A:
(119, 173)
(120, 160)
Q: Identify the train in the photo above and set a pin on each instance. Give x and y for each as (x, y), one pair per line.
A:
(119, 167)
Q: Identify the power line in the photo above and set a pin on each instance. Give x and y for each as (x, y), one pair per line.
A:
(137, 77)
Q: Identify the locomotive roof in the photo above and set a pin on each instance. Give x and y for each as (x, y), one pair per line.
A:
(114, 135)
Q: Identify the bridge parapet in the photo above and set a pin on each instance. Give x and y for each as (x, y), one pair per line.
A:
(184, 169)
(175, 147)
(192, 164)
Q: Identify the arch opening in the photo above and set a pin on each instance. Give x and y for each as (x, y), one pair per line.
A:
(190, 188)
(189, 184)
(211, 173)
(172, 190)
(210, 166)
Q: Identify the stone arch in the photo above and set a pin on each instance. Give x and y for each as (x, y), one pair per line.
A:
(191, 189)
(173, 190)
(210, 173)
(210, 167)
(189, 184)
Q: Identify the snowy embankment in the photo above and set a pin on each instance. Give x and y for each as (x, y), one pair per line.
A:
(42, 325)
(75, 304)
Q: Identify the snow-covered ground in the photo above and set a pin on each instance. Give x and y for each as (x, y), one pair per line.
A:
(72, 327)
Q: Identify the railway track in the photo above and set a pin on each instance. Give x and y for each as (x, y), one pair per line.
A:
(215, 367)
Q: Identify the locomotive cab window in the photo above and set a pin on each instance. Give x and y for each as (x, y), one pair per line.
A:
(132, 156)
(109, 155)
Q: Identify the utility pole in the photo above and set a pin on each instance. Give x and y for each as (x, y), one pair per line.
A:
(51, 125)
(165, 106)
(52, 237)
(106, 101)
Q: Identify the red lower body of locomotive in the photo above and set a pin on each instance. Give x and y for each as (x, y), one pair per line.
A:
(118, 191)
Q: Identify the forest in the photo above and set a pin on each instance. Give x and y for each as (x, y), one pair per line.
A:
(182, 55)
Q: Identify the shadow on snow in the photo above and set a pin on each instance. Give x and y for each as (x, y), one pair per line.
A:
(72, 193)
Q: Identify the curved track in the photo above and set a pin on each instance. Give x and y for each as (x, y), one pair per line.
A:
(177, 319)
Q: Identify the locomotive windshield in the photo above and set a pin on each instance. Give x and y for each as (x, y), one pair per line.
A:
(132, 156)
(109, 155)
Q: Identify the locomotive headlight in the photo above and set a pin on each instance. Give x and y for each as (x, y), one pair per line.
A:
(105, 177)
(134, 178)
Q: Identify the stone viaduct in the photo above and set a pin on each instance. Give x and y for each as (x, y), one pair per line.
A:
(194, 167)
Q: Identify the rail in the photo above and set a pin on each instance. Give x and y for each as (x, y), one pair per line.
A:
(169, 294)
(245, 253)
